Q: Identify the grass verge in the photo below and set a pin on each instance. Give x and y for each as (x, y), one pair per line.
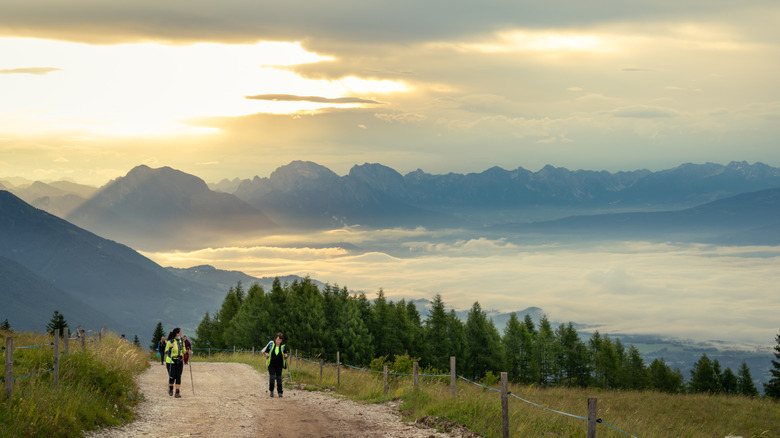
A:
(95, 387)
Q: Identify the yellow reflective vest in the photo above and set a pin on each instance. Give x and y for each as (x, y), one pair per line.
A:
(174, 350)
(273, 350)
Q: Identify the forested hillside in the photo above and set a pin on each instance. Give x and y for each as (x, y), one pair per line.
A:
(322, 322)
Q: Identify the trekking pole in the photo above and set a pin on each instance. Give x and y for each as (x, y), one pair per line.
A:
(191, 379)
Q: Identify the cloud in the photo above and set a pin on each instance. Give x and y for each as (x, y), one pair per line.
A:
(237, 21)
(632, 287)
(29, 70)
(643, 112)
(294, 98)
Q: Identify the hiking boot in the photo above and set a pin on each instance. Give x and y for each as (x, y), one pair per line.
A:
(280, 395)
(177, 395)
(272, 393)
(170, 391)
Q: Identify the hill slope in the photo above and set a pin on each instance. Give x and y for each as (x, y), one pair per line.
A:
(112, 278)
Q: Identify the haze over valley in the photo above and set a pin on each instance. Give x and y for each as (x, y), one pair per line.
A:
(704, 271)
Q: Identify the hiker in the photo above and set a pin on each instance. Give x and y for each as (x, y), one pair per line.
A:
(276, 354)
(123, 338)
(187, 349)
(161, 349)
(174, 352)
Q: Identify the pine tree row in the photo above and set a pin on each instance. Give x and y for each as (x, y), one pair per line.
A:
(322, 322)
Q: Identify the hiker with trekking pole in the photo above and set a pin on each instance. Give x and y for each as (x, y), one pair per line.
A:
(276, 358)
(174, 360)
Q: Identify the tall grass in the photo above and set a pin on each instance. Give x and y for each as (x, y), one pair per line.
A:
(95, 387)
(637, 413)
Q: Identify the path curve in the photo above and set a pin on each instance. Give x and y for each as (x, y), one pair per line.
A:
(230, 400)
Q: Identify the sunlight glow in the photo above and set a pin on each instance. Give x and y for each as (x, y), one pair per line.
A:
(152, 89)
(550, 41)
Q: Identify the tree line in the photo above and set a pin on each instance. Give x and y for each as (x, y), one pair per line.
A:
(322, 322)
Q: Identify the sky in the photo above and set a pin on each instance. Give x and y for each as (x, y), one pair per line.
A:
(91, 89)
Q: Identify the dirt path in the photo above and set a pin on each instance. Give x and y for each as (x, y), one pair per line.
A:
(230, 400)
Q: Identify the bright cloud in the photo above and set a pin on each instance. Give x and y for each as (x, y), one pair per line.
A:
(152, 89)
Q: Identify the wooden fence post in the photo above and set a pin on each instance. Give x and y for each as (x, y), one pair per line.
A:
(385, 380)
(320, 369)
(83, 341)
(452, 375)
(592, 417)
(416, 377)
(505, 404)
(9, 365)
(253, 352)
(338, 369)
(56, 358)
(66, 339)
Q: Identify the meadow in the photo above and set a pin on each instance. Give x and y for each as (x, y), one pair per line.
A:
(96, 389)
(95, 386)
(624, 413)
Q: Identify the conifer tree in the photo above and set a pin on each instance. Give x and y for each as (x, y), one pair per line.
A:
(606, 362)
(545, 352)
(379, 326)
(704, 377)
(400, 326)
(303, 321)
(158, 333)
(221, 336)
(772, 388)
(456, 332)
(250, 325)
(745, 385)
(513, 346)
(529, 324)
(663, 378)
(355, 343)
(415, 346)
(573, 367)
(57, 322)
(136, 341)
(728, 381)
(5, 326)
(204, 332)
(437, 339)
(484, 352)
(636, 375)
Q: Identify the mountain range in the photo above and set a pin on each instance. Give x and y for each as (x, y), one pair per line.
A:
(163, 209)
(48, 263)
(747, 219)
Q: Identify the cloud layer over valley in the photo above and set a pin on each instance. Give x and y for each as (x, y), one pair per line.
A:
(699, 292)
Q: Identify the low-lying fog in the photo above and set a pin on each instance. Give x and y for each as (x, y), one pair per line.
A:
(697, 292)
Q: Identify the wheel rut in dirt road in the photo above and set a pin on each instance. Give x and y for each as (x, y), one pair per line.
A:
(231, 400)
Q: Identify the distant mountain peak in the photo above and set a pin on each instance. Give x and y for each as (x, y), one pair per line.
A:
(300, 174)
(148, 206)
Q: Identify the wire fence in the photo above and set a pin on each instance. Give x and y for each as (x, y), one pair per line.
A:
(592, 418)
(8, 379)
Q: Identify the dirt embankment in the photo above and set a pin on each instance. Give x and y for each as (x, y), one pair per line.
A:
(231, 400)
